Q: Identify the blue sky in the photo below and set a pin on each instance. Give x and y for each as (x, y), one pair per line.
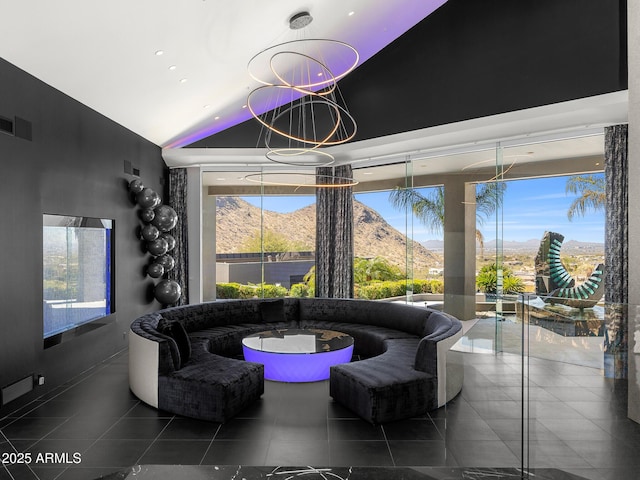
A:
(530, 208)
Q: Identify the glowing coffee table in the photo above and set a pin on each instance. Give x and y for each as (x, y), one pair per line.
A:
(295, 355)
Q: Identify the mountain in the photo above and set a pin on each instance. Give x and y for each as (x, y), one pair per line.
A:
(530, 245)
(238, 220)
(435, 245)
(569, 247)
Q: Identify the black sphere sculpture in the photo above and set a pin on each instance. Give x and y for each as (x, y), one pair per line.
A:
(170, 240)
(136, 186)
(150, 233)
(147, 214)
(167, 261)
(148, 198)
(167, 292)
(158, 247)
(155, 270)
(158, 219)
(165, 218)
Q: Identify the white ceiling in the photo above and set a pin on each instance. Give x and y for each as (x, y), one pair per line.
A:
(103, 54)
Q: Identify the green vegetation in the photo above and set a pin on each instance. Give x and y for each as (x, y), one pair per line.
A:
(271, 241)
(60, 277)
(237, 290)
(369, 269)
(300, 290)
(487, 280)
(377, 290)
(378, 279)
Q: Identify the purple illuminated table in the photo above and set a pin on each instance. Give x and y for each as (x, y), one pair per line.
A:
(295, 355)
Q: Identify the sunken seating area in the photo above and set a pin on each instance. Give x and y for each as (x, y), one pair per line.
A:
(188, 360)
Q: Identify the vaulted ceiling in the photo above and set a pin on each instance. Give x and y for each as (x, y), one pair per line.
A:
(432, 73)
(176, 71)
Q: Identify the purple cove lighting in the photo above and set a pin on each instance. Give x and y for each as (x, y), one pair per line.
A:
(388, 21)
(298, 367)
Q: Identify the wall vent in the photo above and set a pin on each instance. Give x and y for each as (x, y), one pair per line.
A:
(16, 389)
(18, 127)
(130, 169)
(22, 128)
(6, 125)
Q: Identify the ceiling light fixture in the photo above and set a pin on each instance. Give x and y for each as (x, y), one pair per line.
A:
(298, 103)
(300, 180)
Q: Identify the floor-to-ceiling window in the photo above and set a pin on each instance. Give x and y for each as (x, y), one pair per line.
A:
(528, 190)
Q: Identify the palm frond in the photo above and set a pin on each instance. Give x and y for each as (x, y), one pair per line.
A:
(591, 191)
(489, 197)
(428, 210)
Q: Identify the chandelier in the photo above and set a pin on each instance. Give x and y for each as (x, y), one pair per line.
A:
(298, 103)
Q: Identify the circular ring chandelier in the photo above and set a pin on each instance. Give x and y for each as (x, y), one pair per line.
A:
(305, 180)
(335, 56)
(299, 103)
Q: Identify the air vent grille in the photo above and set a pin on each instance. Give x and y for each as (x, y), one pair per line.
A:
(16, 389)
(6, 125)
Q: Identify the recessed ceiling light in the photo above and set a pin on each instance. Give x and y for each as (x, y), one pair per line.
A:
(159, 52)
(206, 106)
(183, 80)
(319, 74)
(172, 67)
(244, 106)
(220, 179)
(216, 118)
(351, 14)
(597, 164)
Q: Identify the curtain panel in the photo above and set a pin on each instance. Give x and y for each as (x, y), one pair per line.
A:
(616, 251)
(334, 234)
(178, 201)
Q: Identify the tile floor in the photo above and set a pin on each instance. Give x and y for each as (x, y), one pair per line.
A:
(577, 423)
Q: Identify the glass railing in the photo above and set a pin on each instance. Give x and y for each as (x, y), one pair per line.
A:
(555, 383)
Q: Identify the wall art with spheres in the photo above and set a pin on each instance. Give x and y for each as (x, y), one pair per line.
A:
(158, 220)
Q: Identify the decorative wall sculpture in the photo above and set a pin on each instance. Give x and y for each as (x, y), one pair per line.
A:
(555, 285)
(158, 220)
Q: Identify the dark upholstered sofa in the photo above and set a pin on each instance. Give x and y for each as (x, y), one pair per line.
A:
(187, 360)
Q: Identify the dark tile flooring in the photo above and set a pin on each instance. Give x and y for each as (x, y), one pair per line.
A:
(576, 423)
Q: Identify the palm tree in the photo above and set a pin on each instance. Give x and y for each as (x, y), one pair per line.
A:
(430, 209)
(367, 269)
(591, 194)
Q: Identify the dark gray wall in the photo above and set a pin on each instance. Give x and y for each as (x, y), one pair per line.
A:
(74, 165)
(471, 59)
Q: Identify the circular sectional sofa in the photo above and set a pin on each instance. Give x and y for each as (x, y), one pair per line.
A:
(188, 360)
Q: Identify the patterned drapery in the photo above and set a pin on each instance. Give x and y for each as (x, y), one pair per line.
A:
(616, 251)
(178, 201)
(334, 234)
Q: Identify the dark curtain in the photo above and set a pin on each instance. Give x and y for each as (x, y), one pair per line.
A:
(616, 252)
(178, 201)
(334, 234)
